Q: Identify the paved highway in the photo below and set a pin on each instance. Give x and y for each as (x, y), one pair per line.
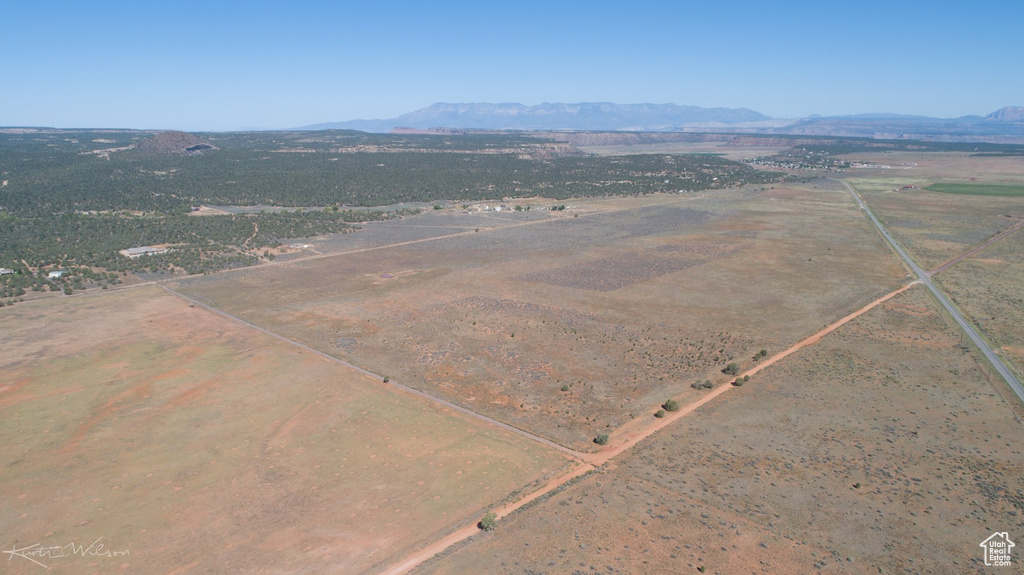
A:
(925, 279)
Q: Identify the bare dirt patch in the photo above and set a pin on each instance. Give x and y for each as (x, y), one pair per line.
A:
(195, 442)
(798, 471)
(572, 326)
(208, 211)
(612, 273)
(725, 149)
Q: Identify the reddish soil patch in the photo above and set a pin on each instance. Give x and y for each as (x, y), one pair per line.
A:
(797, 473)
(909, 310)
(625, 441)
(194, 441)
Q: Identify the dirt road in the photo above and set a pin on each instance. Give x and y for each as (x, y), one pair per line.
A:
(410, 561)
(977, 249)
(629, 441)
(511, 224)
(594, 460)
(925, 278)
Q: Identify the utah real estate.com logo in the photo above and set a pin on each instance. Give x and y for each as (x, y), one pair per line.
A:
(997, 549)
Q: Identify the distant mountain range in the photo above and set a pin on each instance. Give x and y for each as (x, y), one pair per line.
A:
(1004, 125)
(581, 116)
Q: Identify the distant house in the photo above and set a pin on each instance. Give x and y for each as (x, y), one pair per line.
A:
(55, 274)
(6, 271)
(142, 251)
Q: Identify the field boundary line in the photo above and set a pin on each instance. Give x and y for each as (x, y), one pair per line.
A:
(603, 456)
(594, 460)
(510, 224)
(319, 255)
(923, 276)
(380, 379)
(973, 251)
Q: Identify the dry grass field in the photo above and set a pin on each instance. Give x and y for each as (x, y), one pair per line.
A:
(201, 445)
(572, 326)
(935, 227)
(880, 449)
(727, 150)
(989, 288)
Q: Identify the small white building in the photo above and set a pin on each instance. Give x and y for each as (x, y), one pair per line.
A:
(55, 274)
(6, 271)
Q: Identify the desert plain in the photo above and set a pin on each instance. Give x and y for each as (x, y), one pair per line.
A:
(345, 408)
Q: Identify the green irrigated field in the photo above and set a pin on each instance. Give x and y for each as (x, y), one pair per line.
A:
(575, 326)
(936, 227)
(977, 189)
(981, 198)
(201, 445)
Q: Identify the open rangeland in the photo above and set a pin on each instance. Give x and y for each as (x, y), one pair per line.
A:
(937, 226)
(727, 150)
(879, 449)
(200, 445)
(989, 288)
(573, 323)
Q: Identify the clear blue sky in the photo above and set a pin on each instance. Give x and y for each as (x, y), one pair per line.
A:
(228, 65)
